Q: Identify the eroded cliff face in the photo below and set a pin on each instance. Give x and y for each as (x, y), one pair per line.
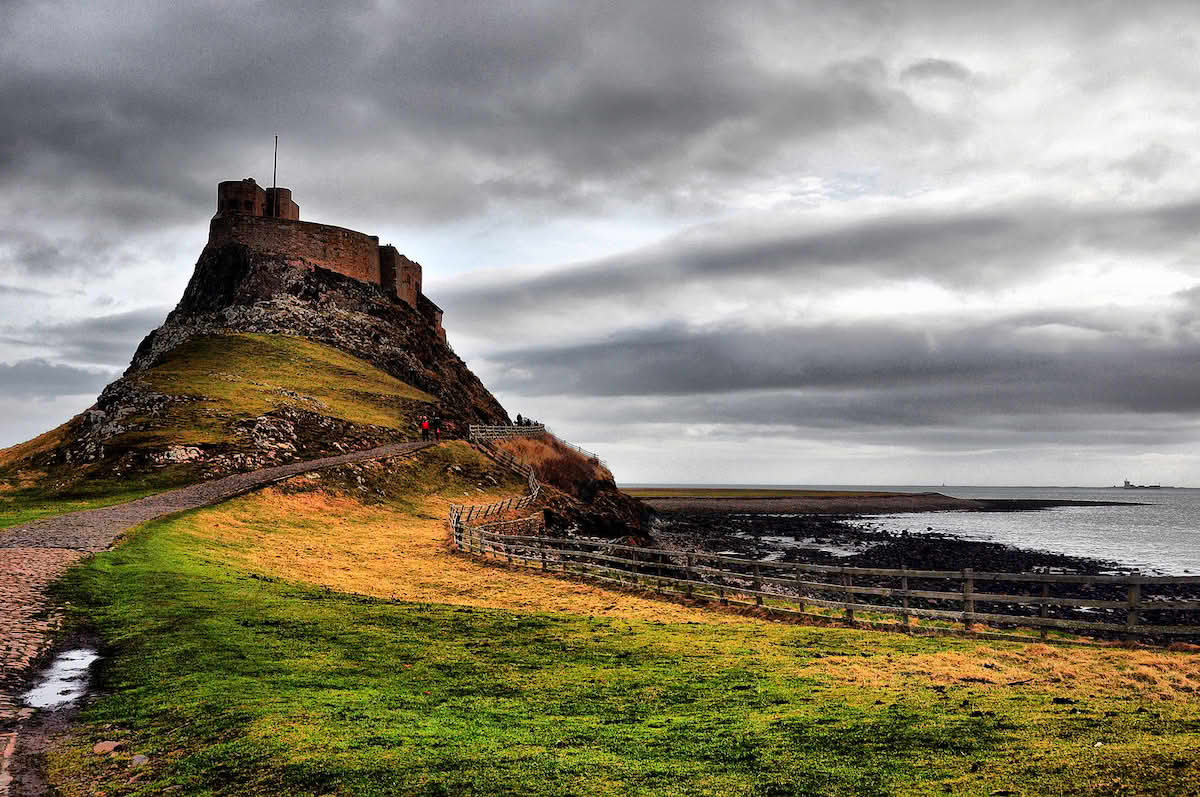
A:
(235, 289)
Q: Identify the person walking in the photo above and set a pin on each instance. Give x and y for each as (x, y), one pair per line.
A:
(437, 426)
(424, 427)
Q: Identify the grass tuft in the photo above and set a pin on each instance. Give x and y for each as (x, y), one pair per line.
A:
(556, 464)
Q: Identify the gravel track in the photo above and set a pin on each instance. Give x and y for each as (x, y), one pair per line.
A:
(93, 530)
(34, 555)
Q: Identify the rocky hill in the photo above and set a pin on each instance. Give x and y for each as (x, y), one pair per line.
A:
(262, 362)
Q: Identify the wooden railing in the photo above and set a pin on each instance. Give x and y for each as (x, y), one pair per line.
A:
(1128, 605)
(480, 433)
(589, 454)
(462, 515)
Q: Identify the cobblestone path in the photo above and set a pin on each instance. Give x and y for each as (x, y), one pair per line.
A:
(34, 555)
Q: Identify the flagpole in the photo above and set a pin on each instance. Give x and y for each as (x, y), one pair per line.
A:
(274, 178)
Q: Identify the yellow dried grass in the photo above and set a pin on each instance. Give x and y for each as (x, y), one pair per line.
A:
(403, 553)
(339, 543)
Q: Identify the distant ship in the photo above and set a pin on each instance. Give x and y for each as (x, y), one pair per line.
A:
(1128, 485)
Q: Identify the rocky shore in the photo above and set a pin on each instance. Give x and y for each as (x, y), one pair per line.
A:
(854, 540)
(851, 541)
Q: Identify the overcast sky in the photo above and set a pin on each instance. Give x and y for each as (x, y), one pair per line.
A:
(761, 242)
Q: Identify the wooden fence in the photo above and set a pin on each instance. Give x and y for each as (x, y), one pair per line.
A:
(482, 433)
(478, 513)
(1125, 605)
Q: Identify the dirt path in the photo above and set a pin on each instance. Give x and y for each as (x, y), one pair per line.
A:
(34, 555)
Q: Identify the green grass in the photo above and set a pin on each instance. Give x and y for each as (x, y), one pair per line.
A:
(234, 683)
(732, 492)
(19, 505)
(247, 375)
(26, 506)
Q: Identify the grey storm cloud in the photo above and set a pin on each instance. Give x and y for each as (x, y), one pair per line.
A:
(18, 290)
(936, 68)
(882, 374)
(969, 250)
(107, 340)
(38, 378)
(441, 98)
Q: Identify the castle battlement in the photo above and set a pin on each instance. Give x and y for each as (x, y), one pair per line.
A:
(267, 220)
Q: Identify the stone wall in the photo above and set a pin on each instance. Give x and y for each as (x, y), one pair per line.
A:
(401, 277)
(241, 196)
(354, 254)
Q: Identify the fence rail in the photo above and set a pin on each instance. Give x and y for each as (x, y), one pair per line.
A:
(589, 454)
(461, 514)
(1131, 605)
(478, 433)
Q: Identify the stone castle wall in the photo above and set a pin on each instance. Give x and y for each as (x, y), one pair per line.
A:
(354, 254)
(268, 220)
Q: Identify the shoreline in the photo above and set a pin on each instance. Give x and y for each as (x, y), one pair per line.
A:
(851, 540)
(850, 503)
(854, 541)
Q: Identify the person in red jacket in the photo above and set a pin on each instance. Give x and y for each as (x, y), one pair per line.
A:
(424, 428)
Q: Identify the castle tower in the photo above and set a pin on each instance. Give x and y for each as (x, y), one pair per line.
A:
(243, 197)
(280, 204)
(399, 276)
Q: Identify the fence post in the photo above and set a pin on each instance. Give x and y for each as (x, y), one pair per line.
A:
(542, 551)
(688, 575)
(658, 569)
(757, 585)
(799, 593)
(848, 581)
(968, 603)
(1135, 601)
(1044, 610)
(904, 598)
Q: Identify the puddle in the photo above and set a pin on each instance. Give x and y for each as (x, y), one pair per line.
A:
(64, 682)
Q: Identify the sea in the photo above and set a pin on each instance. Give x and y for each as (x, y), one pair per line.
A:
(1161, 535)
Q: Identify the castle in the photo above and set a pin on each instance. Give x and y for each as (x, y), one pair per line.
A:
(267, 220)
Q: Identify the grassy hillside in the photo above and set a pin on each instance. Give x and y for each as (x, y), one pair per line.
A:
(320, 638)
(555, 464)
(216, 384)
(232, 377)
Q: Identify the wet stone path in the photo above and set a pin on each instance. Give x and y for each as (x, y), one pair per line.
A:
(34, 555)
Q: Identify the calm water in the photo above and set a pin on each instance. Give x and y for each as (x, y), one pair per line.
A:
(1162, 536)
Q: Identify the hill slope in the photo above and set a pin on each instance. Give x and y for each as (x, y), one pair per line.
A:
(260, 362)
